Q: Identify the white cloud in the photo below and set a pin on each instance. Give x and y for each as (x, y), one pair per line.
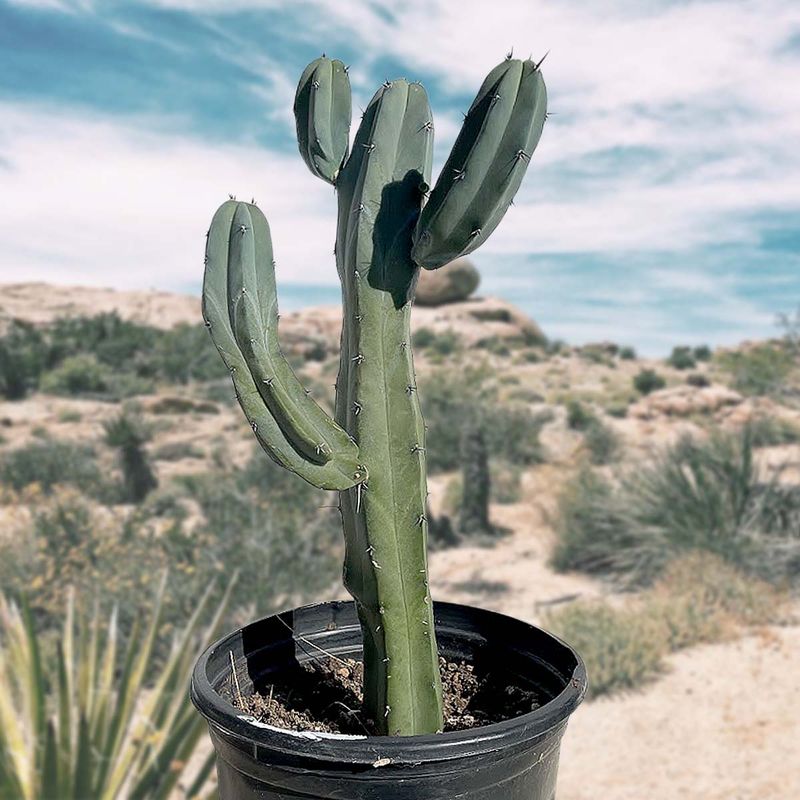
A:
(100, 203)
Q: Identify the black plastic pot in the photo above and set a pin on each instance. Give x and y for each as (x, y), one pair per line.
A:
(512, 760)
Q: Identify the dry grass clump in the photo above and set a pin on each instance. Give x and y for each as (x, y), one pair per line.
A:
(699, 599)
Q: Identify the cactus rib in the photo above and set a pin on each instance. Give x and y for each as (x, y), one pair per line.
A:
(240, 308)
(322, 109)
(486, 165)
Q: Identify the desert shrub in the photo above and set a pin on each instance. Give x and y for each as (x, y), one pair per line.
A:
(476, 480)
(183, 405)
(524, 394)
(693, 496)
(602, 442)
(72, 543)
(69, 415)
(176, 451)
(682, 358)
(495, 345)
(185, 353)
(22, 358)
(113, 341)
(52, 462)
(698, 380)
(579, 417)
(760, 370)
(702, 599)
(702, 353)
(627, 353)
(128, 434)
(647, 381)
(699, 599)
(622, 648)
(772, 431)
(77, 375)
(451, 398)
(555, 347)
(442, 344)
(601, 353)
(280, 533)
(617, 409)
(506, 482)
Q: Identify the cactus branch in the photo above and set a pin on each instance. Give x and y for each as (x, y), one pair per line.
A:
(240, 308)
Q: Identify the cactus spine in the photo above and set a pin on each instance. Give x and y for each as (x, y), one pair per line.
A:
(373, 453)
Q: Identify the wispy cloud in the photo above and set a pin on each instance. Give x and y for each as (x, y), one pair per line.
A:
(670, 165)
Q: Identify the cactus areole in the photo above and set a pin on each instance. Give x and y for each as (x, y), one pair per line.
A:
(389, 225)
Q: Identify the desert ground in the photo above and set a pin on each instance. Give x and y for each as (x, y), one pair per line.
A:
(721, 720)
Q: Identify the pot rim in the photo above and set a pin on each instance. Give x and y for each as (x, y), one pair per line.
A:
(232, 723)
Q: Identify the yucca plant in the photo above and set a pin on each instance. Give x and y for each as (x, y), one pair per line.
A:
(85, 721)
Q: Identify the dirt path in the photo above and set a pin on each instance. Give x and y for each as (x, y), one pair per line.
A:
(724, 724)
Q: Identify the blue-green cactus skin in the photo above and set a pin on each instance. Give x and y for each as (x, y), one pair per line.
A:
(373, 452)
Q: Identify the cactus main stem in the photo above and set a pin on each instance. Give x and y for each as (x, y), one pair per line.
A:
(380, 194)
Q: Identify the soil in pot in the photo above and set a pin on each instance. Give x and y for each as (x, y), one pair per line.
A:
(326, 696)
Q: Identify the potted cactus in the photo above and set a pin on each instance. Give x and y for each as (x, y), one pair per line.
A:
(372, 452)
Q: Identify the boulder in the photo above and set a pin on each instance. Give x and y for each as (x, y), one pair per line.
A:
(453, 283)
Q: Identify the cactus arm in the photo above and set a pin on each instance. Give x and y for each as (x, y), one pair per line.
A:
(322, 109)
(240, 309)
(486, 165)
(380, 192)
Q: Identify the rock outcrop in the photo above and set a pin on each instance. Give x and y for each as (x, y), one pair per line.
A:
(452, 283)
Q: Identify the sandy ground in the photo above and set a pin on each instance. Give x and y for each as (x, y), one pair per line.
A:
(724, 724)
(697, 732)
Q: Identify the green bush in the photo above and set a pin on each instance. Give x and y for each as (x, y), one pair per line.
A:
(694, 496)
(52, 462)
(699, 599)
(495, 345)
(760, 370)
(647, 381)
(627, 353)
(702, 353)
(113, 341)
(698, 380)
(772, 431)
(506, 483)
(623, 649)
(280, 533)
(450, 398)
(78, 375)
(579, 417)
(72, 543)
(682, 358)
(602, 443)
(444, 343)
(22, 358)
(176, 451)
(185, 353)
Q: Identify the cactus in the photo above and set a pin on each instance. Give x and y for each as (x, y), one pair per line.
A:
(474, 516)
(373, 452)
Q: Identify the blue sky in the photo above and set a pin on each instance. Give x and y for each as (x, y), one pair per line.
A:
(662, 205)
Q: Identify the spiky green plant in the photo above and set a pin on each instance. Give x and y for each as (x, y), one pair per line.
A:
(128, 434)
(373, 452)
(86, 722)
